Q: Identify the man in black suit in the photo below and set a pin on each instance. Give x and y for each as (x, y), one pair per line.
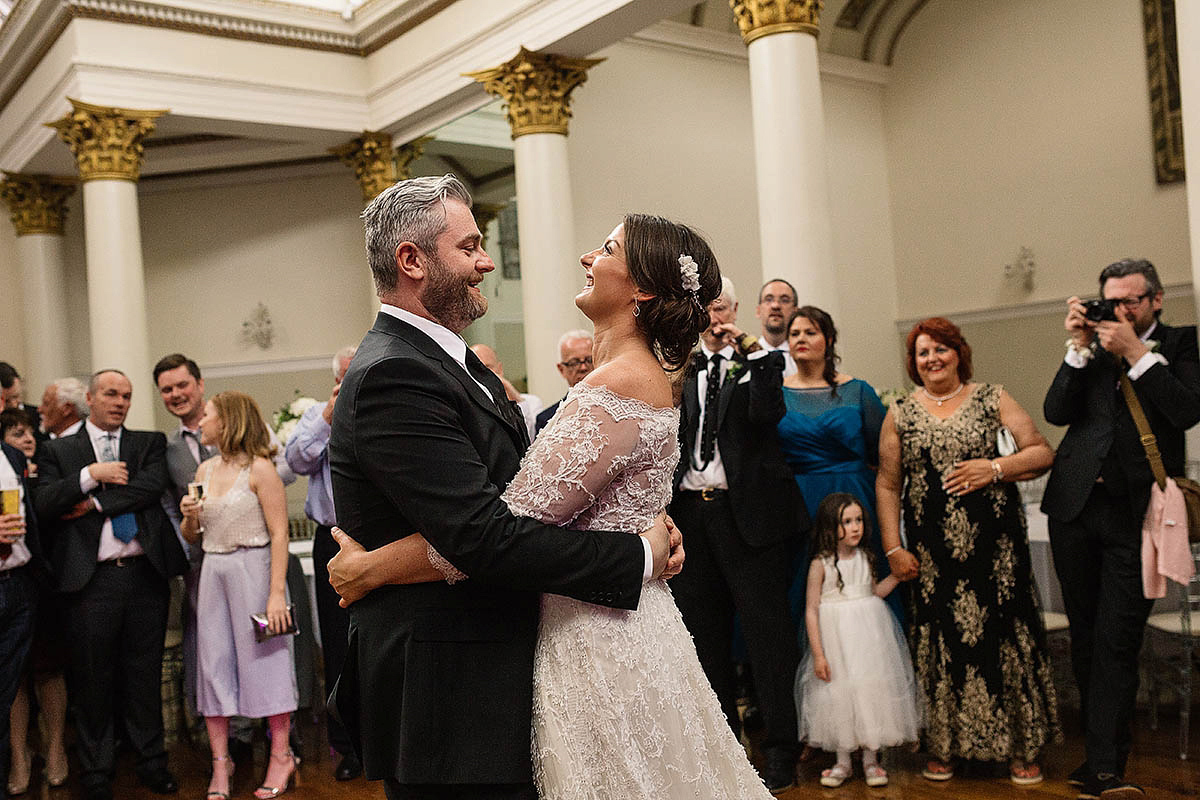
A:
(436, 687)
(574, 364)
(112, 550)
(23, 570)
(738, 502)
(1098, 492)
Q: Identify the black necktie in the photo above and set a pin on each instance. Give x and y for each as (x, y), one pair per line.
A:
(708, 430)
(507, 408)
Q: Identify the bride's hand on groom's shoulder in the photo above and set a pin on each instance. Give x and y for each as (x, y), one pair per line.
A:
(347, 570)
(666, 545)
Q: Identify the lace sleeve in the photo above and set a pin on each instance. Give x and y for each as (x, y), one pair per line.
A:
(572, 461)
(453, 575)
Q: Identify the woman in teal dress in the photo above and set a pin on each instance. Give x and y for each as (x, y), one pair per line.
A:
(830, 433)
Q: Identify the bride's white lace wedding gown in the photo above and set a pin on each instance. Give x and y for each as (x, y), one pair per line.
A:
(622, 709)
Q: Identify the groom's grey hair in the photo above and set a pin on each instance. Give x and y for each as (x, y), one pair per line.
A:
(408, 211)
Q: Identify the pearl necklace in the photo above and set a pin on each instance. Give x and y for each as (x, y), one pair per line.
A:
(943, 398)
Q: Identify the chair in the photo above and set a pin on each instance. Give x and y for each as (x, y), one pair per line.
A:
(1173, 662)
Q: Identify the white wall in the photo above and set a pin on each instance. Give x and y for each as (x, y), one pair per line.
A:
(670, 133)
(1025, 122)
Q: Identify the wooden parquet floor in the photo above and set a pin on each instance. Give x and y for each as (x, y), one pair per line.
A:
(1155, 764)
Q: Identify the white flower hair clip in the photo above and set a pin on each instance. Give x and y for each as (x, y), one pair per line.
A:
(690, 276)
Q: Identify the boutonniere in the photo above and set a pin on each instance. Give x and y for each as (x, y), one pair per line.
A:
(734, 368)
(1153, 344)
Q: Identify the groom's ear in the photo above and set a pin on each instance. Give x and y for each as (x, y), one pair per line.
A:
(408, 261)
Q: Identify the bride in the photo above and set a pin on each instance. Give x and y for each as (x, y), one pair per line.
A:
(621, 705)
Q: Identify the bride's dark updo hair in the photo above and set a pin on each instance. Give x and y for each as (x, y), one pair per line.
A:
(673, 319)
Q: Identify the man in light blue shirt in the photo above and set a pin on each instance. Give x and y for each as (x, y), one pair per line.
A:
(308, 454)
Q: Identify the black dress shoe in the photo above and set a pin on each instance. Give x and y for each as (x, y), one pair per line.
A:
(348, 768)
(97, 791)
(159, 781)
(779, 773)
(1106, 786)
(1079, 776)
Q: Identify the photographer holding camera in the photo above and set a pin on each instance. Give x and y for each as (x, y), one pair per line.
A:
(1098, 491)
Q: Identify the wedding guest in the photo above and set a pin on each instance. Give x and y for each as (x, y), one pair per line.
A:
(22, 573)
(776, 303)
(308, 454)
(64, 407)
(574, 364)
(48, 656)
(829, 435)
(978, 646)
(241, 524)
(529, 404)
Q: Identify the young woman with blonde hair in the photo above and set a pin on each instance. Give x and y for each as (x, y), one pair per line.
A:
(241, 523)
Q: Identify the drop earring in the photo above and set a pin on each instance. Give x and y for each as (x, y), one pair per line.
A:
(636, 309)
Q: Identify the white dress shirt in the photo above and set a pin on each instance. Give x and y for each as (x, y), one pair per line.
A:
(111, 548)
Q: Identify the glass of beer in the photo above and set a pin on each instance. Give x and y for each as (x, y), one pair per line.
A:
(10, 501)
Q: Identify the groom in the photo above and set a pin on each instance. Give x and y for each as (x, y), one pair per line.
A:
(436, 687)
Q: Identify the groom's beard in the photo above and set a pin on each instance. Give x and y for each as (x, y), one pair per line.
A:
(448, 297)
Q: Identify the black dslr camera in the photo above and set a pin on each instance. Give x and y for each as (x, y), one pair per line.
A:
(1100, 310)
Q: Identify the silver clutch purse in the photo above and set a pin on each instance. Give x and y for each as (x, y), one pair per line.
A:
(262, 627)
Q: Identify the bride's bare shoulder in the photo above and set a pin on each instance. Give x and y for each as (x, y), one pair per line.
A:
(640, 378)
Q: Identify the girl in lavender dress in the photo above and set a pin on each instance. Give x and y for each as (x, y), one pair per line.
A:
(242, 526)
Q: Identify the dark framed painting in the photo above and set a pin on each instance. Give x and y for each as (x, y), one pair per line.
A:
(1162, 67)
(510, 243)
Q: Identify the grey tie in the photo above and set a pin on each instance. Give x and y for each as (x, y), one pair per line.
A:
(201, 448)
(108, 452)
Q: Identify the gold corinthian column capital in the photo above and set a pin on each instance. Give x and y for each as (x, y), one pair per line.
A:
(759, 18)
(37, 203)
(106, 141)
(376, 166)
(370, 156)
(536, 89)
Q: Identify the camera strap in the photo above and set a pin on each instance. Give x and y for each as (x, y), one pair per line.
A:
(1149, 440)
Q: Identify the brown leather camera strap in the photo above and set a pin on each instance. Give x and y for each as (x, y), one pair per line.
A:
(1149, 440)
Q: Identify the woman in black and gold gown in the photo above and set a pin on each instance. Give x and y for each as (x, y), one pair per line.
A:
(977, 639)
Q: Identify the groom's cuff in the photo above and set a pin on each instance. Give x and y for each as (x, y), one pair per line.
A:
(648, 570)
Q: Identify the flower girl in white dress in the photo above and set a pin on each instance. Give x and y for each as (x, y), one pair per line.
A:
(855, 688)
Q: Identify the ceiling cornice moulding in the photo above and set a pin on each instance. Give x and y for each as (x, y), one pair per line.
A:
(33, 26)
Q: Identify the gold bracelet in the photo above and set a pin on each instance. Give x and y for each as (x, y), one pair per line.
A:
(997, 473)
(888, 554)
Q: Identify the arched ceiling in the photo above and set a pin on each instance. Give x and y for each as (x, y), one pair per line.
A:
(869, 30)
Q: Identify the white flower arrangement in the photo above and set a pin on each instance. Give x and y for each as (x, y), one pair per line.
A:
(285, 420)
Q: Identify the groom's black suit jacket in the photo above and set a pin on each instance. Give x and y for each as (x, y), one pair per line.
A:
(74, 544)
(437, 682)
(1101, 426)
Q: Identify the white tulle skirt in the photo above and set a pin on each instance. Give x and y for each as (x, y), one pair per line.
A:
(871, 699)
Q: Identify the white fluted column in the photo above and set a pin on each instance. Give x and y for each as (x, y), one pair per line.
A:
(536, 88)
(1187, 35)
(37, 204)
(794, 221)
(107, 143)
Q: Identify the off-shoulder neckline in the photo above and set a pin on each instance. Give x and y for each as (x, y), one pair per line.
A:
(586, 388)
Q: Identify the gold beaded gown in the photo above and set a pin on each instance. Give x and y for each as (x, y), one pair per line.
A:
(977, 640)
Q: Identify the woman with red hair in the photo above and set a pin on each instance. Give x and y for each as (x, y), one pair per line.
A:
(977, 640)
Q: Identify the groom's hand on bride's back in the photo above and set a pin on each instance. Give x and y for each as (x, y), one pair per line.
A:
(666, 546)
(348, 569)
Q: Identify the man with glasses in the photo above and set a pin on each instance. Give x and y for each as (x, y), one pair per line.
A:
(776, 303)
(574, 363)
(1097, 495)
